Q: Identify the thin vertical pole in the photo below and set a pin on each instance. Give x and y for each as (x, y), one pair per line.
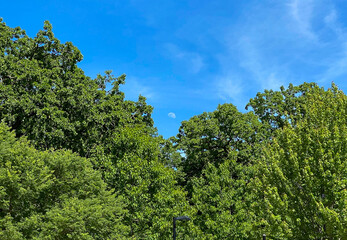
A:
(264, 237)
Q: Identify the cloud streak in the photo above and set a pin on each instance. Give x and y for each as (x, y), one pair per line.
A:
(134, 87)
(268, 44)
(302, 13)
(338, 66)
(255, 64)
(228, 88)
(278, 43)
(193, 61)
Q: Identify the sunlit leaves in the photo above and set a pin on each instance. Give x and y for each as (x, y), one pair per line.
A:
(304, 170)
(54, 195)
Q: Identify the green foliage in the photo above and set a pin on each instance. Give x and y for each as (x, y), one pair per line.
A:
(216, 136)
(47, 98)
(91, 218)
(134, 168)
(278, 170)
(53, 195)
(223, 202)
(303, 176)
(277, 109)
(219, 150)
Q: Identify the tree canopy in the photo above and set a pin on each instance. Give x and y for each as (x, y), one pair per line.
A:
(79, 161)
(48, 99)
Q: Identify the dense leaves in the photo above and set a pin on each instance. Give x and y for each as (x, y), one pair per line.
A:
(277, 109)
(214, 137)
(53, 195)
(219, 150)
(46, 96)
(223, 201)
(303, 175)
(133, 167)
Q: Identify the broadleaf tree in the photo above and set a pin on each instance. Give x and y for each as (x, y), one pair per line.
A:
(54, 195)
(219, 150)
(47, 98)
(302, 176)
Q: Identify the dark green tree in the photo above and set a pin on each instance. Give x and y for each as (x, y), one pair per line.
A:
(219, 150)
(216, 136)
(277, 109)
(46, 97)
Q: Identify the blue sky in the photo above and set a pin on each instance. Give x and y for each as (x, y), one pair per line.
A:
(187, 57)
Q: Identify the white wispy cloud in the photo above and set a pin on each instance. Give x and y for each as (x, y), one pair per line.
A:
(248, 62)
(273, 82)
(331, 20)
(338, 66)
(255, 63)
(172, 115)
(302, 13)
(197, 63)
(291, 41)
(194, 61)
(229, 88)
(330, 38)
(134, 87)
(272, 43)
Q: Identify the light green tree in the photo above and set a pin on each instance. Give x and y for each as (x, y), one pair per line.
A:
(302, 177)
(54, 195)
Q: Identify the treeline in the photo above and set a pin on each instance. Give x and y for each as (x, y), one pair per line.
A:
(78, 161)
